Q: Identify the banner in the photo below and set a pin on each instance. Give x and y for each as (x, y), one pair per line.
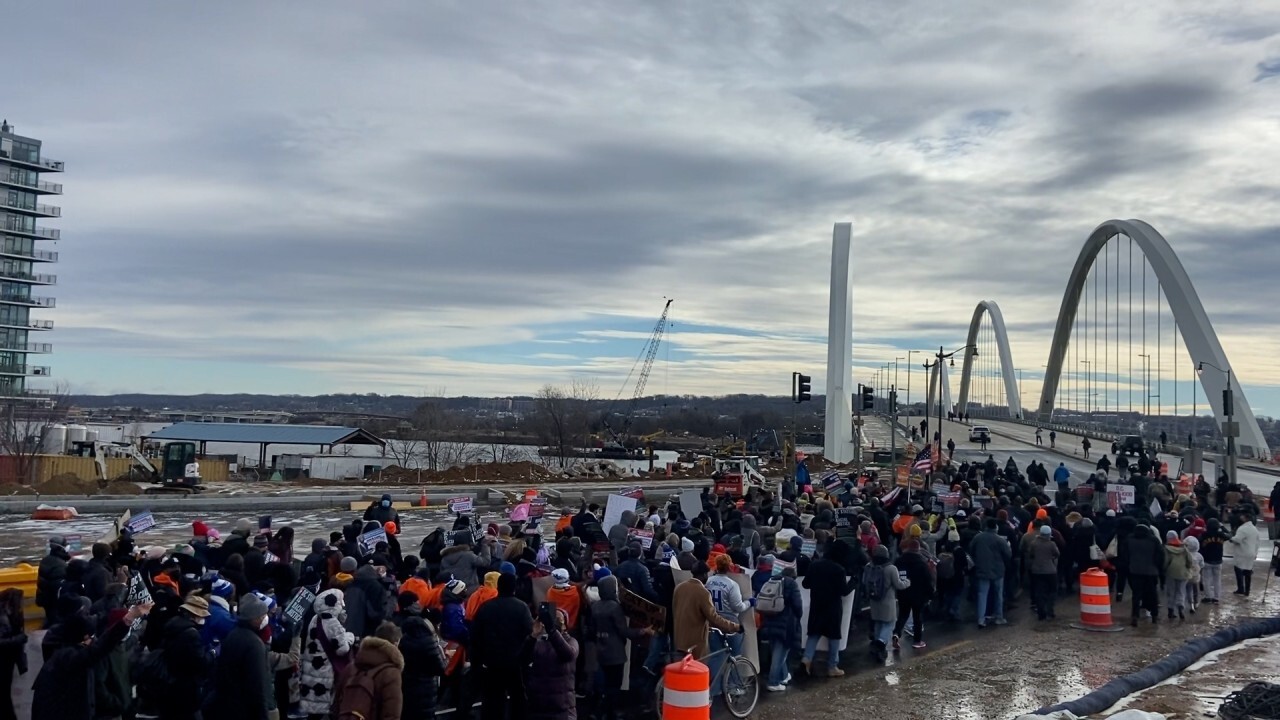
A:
(370, 540)
(461, 505)
(646, 537)
(298, 605)
(537, 507)
(141, 522)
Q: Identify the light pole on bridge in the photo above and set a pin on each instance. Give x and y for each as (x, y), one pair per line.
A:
(1229, 428)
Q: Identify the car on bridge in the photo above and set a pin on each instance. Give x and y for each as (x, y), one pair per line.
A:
(978, 432)
(1131, 445)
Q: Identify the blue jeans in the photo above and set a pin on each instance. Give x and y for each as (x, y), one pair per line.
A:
(833, 650)
(657, 646)
(882, 631)
(716, 642)
(985, 586)
(778, 663)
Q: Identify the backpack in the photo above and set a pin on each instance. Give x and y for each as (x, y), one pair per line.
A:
(873, 581)
(946, 568)
(359, 699)
(771, 600)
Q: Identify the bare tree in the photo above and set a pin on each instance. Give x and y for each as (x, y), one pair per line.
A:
(554, 407)
(502, 453)
(24, 424)
(583, 392)
(407, 453)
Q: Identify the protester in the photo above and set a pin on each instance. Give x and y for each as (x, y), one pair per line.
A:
(371, 687)
(13, 647)
(499, 636)
(327, 649)
(1244, 544)
(424, 664)
(63, 688)
(242, 681)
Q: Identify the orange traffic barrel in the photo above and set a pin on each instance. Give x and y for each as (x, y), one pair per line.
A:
(1095, 602)
(686, 691)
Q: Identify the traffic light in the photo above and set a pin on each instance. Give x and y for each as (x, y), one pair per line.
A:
(893, 401)
(868, 394)
(800, 388)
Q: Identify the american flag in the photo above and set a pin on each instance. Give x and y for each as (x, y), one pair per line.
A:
(924, 461)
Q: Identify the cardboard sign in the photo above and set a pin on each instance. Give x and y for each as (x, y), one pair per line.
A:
(831, 481)
(141, 522)
(537, 507)
(74, 543)
(617, 505)
(297, 607)
(635, 492)
(646, 537)
(809, 548)
(138, 592)
(461, 505)
(264, 524)
(691, 504)
(370, 540)
(641, 612)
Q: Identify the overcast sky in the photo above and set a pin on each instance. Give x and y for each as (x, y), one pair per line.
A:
(482, 197)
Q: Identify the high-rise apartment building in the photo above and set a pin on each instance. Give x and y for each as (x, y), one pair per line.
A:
(21, 189)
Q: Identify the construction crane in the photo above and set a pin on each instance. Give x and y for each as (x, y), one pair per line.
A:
(618, 431)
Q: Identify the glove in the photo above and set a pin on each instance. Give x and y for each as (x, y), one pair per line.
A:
(753, 602)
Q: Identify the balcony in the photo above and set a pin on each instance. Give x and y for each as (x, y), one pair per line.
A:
(26, 347)
(33, 370)
(35, 209)
(44, 302)
(39, 164)
(33, 278)
(33, 255)
(43, 233)
(28, 325)
(9, 392)
(38, 187)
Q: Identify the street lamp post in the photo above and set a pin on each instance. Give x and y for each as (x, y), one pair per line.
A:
(938, 358)
(1229, 427)
(909, 354)
(1020, 401)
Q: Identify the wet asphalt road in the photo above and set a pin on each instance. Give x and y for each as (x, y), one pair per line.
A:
(999, 673)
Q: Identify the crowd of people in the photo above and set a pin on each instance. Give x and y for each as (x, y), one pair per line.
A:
(539, 621)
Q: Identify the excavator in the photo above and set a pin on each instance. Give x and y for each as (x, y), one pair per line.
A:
(179, 471)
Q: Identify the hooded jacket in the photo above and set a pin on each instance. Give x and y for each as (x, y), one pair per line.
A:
(1177, 561)
(550, 678)
(991, 554)
(316, 669)
(618, 533)
(64, 686)
(1212, 542)
(366, 602)
(1146, 554)
(463, 564)
(501, 630)
(610, 624)
(482, 594)
(242, 679)
(1244, 546)
(383, 663)
(1197, 561)
(424, 664)
(1042, 554)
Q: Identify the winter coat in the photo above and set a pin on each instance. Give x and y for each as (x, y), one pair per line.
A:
(366, 602)
(219, 624)
(316, 670)
(500, 632)
(64, 687)
(424, 664)
(1146, 554)
(1244, 546)
(454, 624)
(242, 680)
(384, 664)
(692, 611)
(618, 533)
(112, 689)
(188, 663)
(1042, 555)
(991, 554)
(634, 576)
(465, 565)
(1177, 562)
(827, 585)
(612, 631)
(550, 678)
(95, 579)
(783, 629)
(886, 608)
(919, 576)
(49, 577)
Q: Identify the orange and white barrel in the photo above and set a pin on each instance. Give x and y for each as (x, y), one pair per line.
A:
(686, 691)
(1095, 599)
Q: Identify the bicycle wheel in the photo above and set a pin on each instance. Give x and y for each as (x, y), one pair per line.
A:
(741, 687)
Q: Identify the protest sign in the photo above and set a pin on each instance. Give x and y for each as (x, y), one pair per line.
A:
(645, 536)
(74, 543)
(613, 510)
(138, 592)
(141, 522)
(370, 540)
(461, 505)
(537, 507)
(1126, 493)
(298, 605)
(808, 547)
(640, 612)
(635, 492)
(691, 504)
(831, 481)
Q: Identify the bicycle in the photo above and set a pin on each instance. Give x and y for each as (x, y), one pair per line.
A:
(737, 679)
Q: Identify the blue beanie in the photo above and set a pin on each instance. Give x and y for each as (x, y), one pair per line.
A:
(600, 574)
(507, 568)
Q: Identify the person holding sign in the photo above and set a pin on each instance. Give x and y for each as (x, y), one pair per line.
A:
(64, 687)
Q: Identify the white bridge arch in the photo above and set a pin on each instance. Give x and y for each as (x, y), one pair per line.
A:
(1197, 333)
(991, 309)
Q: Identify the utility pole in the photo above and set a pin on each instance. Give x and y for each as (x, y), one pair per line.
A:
(909, 354)
(893, 433)
(1229, 428)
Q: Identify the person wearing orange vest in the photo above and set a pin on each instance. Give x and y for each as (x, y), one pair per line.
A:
(482, 594)
(420, 585)
(565, 596)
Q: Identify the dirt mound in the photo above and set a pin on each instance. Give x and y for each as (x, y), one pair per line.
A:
(67, 484)
(522, 471)
(16, 489)
(122, 487)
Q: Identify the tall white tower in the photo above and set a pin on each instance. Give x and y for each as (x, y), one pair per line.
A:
(838, 439)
